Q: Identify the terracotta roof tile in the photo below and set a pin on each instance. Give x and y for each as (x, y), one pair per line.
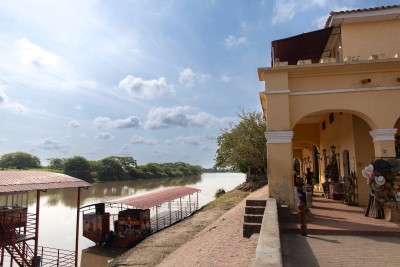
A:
(363, 10)
(360, 10)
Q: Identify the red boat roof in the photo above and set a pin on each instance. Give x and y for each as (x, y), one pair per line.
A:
(155, 198)
(20, 181)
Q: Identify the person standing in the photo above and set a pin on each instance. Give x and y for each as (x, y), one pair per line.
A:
(309, 177)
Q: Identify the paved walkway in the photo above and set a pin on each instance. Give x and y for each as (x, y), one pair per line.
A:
(221, 244)
(338, 235)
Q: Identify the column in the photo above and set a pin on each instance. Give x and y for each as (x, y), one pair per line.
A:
(384, 142)
(280, 166)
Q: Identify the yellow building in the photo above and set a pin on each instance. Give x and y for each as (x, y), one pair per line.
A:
(336, 87)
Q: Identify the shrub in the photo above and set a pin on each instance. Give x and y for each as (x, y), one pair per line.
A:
(219, 193)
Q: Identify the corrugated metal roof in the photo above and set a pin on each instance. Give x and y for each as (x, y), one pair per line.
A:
(155, 198)
(19, 181)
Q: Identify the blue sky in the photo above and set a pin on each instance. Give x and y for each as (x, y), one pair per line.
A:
(156, 80)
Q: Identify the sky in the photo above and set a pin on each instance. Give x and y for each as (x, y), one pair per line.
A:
(156, 80)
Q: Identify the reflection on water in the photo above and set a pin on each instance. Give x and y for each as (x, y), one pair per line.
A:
(58, 207)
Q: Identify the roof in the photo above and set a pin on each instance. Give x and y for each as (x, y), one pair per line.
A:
(155, 198)
(308, 45)
(20, 181)
(358, 13)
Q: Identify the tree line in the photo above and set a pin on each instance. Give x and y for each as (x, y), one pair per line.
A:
(107, 169)
(241, 147)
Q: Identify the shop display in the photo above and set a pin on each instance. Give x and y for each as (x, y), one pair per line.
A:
(383, 178)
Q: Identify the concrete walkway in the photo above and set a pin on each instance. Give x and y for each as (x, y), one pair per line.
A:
(338, 235)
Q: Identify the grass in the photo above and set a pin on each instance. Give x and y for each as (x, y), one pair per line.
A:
(227, 201)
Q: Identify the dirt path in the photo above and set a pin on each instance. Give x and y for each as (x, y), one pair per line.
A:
(211, 237)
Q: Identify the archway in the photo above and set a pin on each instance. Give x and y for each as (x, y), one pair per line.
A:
(343, 136)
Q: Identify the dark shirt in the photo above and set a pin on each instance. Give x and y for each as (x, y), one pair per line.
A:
(309, 177)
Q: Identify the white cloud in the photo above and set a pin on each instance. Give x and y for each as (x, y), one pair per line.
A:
(189, 140)
(285, 10)
(74, 124)
(179, 116)
(188, 78)
(14, 106)
(320, 22)
(130, 122)
(136, 139)
(321, 3)
(32, 54)
(104, 136)
(106, 122)
(231, 40)
(145, 89)
(50, 144)
(101, 122)
(225, 78)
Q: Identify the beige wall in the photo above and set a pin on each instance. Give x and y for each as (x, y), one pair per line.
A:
(306, 133)
(278, 115)
(364, 152)
(280, 169)
(295, 93)
(365, 39)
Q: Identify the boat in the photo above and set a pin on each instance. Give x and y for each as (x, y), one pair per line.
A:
(126, 221)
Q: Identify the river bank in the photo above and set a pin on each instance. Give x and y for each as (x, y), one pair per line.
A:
(155, 249)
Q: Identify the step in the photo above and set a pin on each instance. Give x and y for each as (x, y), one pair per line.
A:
(251, 228)
(256, 202)
(254, 210)
(253, 218)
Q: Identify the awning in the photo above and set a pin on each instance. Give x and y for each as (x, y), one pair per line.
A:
(155, 198)
(308, 45)
(20, 181)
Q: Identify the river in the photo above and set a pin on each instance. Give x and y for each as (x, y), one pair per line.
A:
(58, 207)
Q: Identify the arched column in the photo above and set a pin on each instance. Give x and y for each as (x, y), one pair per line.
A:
(280, 166)
(384, 142)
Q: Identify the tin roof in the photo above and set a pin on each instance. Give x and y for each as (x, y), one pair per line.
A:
(19, 181)
(155, 198)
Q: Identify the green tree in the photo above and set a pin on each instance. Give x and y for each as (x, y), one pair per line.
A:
(112, 169)
(56, 163)
(127, 163)
(19, 160)
(78, 167)
(243, 146)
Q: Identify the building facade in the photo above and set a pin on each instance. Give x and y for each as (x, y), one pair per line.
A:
(338, 87)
